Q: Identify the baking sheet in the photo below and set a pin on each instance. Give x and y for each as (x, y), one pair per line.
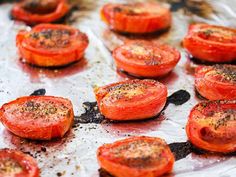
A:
(75, 154)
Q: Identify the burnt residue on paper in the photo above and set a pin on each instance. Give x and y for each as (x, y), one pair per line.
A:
(182, 149)
(178, 98)
(197, 7)
(91, 115)
(39, 92)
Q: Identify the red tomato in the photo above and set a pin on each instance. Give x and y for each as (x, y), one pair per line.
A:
(211, 126)
(146, 59)
(137, 157)
(131, 99)
(216, 82)
(49, 45)
(16, 164)
(38, 117)
(136, 17)
(40, 11)
(211, 43)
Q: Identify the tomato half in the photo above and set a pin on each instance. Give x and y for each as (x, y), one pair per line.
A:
(49, 45)
(14, 163)
(40, 11)
(211, 126)
(136, 17)
(131, 99)
(216, 82)
(137, 157)
(38, 117)
(211, 43)
(146, 59)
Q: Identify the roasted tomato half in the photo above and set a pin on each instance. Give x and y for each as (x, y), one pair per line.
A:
(137, 157)
(17, 164)
(211, 126)
(146, 59)
(40, 11)
(38, 117)
(49, 45)
(136, 17)
(131, 99)
(216, 82)
(211, 43)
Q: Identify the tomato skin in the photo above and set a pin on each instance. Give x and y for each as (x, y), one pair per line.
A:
(207, 131)
(44, 127)
(29, 165)
(213, 88)
(149, 23)
(207, 50)
(19, 13)
(122, 167)
(119, 101)
(169, 56)
(48, 58)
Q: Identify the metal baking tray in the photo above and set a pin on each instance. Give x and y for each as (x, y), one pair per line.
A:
(75, 154)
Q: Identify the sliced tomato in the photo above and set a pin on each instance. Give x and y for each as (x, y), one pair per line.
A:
(146, 59)
(136, 17)
(49, 45)
(38, 117)
(131, 99)
(14, 163)
(211, 43)
(216, 82)
(211, 126)
(137, 157)
(40, 11)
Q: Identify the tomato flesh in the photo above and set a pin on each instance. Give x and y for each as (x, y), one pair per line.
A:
(146, 59)
(131, 99)
(216, 82)
(40, 11)
(16, 164)
(49, 45)
(211, 43)
(211, 126)
(136, 17)
(137, 157)
(38, 117)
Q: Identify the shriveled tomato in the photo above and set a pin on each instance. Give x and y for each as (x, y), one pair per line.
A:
(211, 126)
(136, 17)
(49, 45)
(131, 99)
(211, 43)
(14, 163)
(137, 157)
(38, 117)
(216, 82)
(146, 59)
(40, 11)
